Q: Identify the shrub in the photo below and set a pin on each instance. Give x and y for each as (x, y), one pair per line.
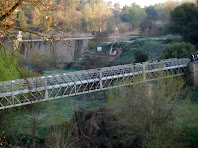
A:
(180, 50)
(91, 45)
(140, 56)
(151, 114)
(7, 70)
(28, 74)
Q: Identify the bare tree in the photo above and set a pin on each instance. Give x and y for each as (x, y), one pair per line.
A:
(147, 114)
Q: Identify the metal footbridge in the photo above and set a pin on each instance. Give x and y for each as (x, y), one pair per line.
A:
(38, 89)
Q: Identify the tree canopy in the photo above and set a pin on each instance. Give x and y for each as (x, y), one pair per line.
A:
(135, 14)
(151, 12)
(184, 21)
(48, 15)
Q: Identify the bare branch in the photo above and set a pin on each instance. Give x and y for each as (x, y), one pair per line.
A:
(17, 4)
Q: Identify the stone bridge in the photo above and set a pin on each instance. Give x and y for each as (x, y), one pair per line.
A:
(62, 51)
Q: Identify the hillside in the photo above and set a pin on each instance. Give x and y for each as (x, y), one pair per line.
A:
(152, 46)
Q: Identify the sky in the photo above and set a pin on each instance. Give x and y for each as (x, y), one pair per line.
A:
(142, 3)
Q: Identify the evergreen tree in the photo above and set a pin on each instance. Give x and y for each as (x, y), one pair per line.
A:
(184, 21)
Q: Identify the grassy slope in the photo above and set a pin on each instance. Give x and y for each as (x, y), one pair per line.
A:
(58, 71)
(50, 113)
(151, 46)
(193, 126)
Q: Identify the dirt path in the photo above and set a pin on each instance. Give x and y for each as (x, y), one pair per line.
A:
(113, 58)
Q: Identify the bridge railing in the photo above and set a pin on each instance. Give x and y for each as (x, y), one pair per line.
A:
(34, 82)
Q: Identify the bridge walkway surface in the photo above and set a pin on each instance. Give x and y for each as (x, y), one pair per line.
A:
(38, 89)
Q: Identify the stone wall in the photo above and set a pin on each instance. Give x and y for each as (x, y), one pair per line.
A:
(61, 51)
(193, 67)
(195, 71)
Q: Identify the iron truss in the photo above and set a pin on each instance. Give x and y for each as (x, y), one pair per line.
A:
(38, 89)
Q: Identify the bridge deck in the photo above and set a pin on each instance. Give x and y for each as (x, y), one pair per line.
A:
(37, 89)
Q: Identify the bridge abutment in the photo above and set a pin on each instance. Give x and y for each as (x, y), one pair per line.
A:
(194, 73)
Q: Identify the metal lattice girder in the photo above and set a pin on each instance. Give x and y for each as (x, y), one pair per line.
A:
(38, 89)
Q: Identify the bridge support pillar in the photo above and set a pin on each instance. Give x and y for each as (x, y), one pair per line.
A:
(144, 74)
(12, 94)
(101, 87)
(46, 90)
(194, 73)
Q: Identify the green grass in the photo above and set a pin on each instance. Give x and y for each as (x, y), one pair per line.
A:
(193, 127)
(59, 71)
(50, 113)
(153, 48)
(194, 96)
